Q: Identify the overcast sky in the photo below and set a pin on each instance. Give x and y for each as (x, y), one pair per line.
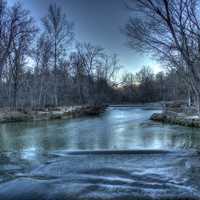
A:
(98, 22)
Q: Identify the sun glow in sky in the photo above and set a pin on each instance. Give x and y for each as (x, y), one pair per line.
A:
(98, 22)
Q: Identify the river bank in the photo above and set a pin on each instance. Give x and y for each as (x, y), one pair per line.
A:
(155, 105)
(179, 113)
(177, 118)
(64, 112)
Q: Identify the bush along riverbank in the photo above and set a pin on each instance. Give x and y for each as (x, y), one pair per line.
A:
(50, 113)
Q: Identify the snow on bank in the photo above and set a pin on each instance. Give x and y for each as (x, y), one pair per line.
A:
(49, 114)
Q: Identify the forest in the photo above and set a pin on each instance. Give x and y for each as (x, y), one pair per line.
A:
(42, 65)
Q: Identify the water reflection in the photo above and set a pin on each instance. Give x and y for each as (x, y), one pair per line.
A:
(118, 128)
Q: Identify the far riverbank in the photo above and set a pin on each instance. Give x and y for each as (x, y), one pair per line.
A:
(64, 112)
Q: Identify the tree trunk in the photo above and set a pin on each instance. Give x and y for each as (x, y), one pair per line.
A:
(189, 99)
(198, 104)
(15, 96)
(55, 73)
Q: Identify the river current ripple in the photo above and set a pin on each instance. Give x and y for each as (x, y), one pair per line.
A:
(106, 175)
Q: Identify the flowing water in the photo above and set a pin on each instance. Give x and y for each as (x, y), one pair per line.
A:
(120, 154)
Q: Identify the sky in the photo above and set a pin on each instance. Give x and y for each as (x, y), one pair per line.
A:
(98, 22)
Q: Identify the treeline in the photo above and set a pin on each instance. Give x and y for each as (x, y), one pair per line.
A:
(47, 68)
(146, 86)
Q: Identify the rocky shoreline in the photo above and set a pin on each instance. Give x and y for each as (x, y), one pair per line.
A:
(50, 114)
(182, 119)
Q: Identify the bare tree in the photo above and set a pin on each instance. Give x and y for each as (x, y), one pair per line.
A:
(106, 73)
(169, 29)
(42, 71)
(24, 31)
(91, 57)
(79, 74)
(60, 32)
(6, 35)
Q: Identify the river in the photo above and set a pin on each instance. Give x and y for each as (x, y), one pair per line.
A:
(120, 154)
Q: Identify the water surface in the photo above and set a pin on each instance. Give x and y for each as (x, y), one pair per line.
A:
(116, 129)
(126, 156)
